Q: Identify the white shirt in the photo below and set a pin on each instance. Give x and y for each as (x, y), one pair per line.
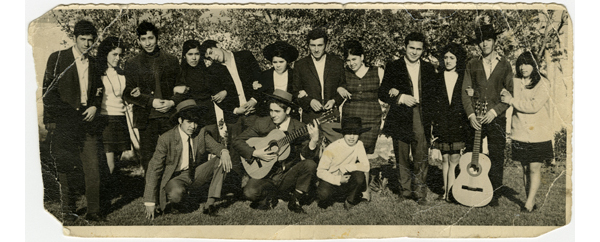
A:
(185, 153)
(413, 71)
(489, 66)
(232, 68)
(450, 78)
(280, 81)
(320, 66)
(82, 64)
(285, 124)
(339, 158)
(112, 101)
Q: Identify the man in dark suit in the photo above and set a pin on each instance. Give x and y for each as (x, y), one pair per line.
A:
(485, 77)
(179, 163)
(150, 79)
(290, 175)
(231, 76)
(406, 88)
(234, 73)
(72, 99)
(316, 80)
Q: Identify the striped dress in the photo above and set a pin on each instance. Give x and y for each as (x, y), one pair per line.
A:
(364, 104)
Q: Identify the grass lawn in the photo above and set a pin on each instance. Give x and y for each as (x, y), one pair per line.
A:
(385, 208)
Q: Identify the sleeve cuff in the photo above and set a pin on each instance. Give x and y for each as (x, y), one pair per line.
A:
(494, 112)
(149, 204)
(471, 115)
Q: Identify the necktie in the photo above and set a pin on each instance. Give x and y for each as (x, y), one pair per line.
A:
(190, 152)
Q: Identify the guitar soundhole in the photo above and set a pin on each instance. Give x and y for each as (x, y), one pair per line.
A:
(474, 169)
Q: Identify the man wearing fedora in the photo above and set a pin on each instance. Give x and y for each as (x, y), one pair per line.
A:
(179, 165)
(485, 77)
(406, 86)
(291, 175)
(72, 99)
(343, 165)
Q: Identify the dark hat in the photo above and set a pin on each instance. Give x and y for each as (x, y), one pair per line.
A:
(287, 51)
(484, 32)
(352, 125)
(282, 96)
(188, 104)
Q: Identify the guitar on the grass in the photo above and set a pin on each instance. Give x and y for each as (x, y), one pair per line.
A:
(276, 141)
(472, 187)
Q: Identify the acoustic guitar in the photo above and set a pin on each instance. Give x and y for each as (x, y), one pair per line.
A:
(472, 187)
(276, 141)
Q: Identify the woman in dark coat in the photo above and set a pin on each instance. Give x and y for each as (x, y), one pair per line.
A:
(281, 55)
(193, 80)
(450, 123)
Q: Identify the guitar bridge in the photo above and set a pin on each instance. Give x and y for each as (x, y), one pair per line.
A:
(475, 189)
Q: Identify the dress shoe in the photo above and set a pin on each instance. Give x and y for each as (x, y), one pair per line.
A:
(211, 210)
(348, 205)
(94, 217)
(295, 207)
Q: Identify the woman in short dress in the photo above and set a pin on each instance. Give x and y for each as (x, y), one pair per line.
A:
(360, 94)
(116, 134)
(280, 76)
(449, 121)
(193, 81)
(531, 129)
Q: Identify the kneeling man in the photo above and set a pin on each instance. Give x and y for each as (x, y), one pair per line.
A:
(288, 175)
(177, 165)
(343, 165)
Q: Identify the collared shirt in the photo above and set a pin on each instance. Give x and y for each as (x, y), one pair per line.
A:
(232, 68)
(82, 64)
(284, 125)
(450, 77)
(413, 71)
(489, 66)
(320, 66)
(280, 81)
(185, 152)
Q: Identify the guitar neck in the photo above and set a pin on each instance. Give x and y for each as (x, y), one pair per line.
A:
(292, 136)
(476, 147)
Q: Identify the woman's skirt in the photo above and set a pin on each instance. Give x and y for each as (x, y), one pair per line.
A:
(532, 152)
(116, 135)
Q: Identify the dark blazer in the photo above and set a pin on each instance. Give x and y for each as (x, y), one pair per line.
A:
(144, 71)
(220, 79)
(63, 100)
(268, 86)
(306, 78)
(398, 122)
(166, 159)
(487, 89)
(449, 120)
(261, 128)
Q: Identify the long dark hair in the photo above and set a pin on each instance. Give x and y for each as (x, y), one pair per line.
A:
(187, 46)
(527, 58)
(106, 46)
(461, 57)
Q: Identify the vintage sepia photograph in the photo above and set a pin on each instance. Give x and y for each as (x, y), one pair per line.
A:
(392, 119)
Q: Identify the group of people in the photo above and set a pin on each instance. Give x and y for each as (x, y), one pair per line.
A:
(196, 118)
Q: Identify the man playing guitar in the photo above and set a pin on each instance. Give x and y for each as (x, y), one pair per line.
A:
(290, 175)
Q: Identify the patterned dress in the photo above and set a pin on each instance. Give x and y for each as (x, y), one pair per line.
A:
(364, 104)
